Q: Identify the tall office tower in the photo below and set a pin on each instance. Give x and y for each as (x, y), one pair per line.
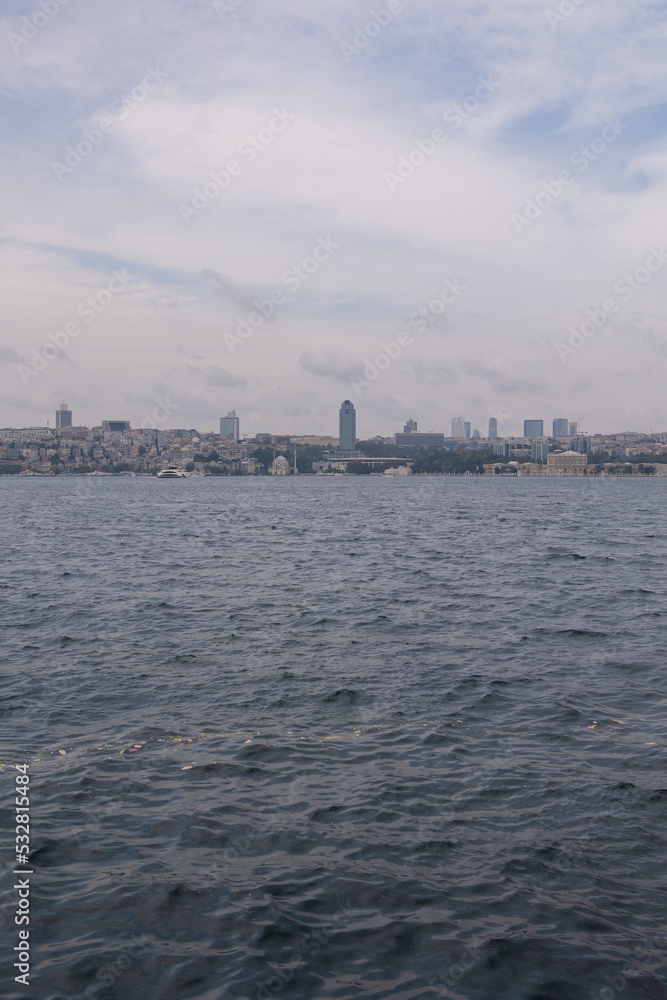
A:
(539, 451)
(347, 427)
(230, 429)
(410, 427)
(458, 427)
(561, 427)
(493, 429)
(533, 428)
(574, 427)
(63, 417)
(467, 427)
(476, 436)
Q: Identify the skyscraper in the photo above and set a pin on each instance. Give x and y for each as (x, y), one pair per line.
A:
(493, 429)
(539, 451)
(63, 417)
(561, 427)
(458, 427)
(347, 427)
(467, 427)
(533, 428)
(410, 427)
(573, 427)
(230, 429)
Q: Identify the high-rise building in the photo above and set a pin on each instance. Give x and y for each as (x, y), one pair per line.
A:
(533, 428)
(493, 429)
(230, 428)
(561, 427)
(476, 436)
(574, 427)
(539, 451)
(458, 427)
(63, 417)
(581, 445)
(347, 427)
(410, 427)
(467, 427)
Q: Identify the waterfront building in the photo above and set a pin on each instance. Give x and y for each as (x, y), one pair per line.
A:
(533, 428)
(230, 428)
(566, 463)
(347, 426)
(280, 466)
(561, 427)
(63, 417)
(493, 429)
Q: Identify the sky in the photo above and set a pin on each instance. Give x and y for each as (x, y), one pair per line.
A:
(431, 208)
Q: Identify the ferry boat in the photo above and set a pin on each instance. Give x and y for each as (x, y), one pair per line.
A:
(173, 472)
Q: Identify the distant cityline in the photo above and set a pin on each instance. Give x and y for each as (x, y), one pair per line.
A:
(461, 429)
(115, 447)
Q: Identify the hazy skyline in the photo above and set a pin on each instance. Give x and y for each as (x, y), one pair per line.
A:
(315, 127)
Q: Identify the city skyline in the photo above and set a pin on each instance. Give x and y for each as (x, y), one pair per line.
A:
(461, 429)
(188, 220)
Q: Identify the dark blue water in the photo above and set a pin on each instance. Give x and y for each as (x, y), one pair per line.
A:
(337, 738)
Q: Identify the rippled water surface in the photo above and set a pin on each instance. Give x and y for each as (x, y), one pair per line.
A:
(337, 737)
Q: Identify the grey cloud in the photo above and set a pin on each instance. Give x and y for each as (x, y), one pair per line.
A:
(184, 353)
(215, 375)
(338, 365)
(500, 374)
(429, 373)
(9, 356)
(228, 290)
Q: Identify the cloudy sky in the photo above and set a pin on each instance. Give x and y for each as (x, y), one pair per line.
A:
(132, 280)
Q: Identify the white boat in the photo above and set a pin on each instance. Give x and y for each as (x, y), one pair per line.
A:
(172, 473)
